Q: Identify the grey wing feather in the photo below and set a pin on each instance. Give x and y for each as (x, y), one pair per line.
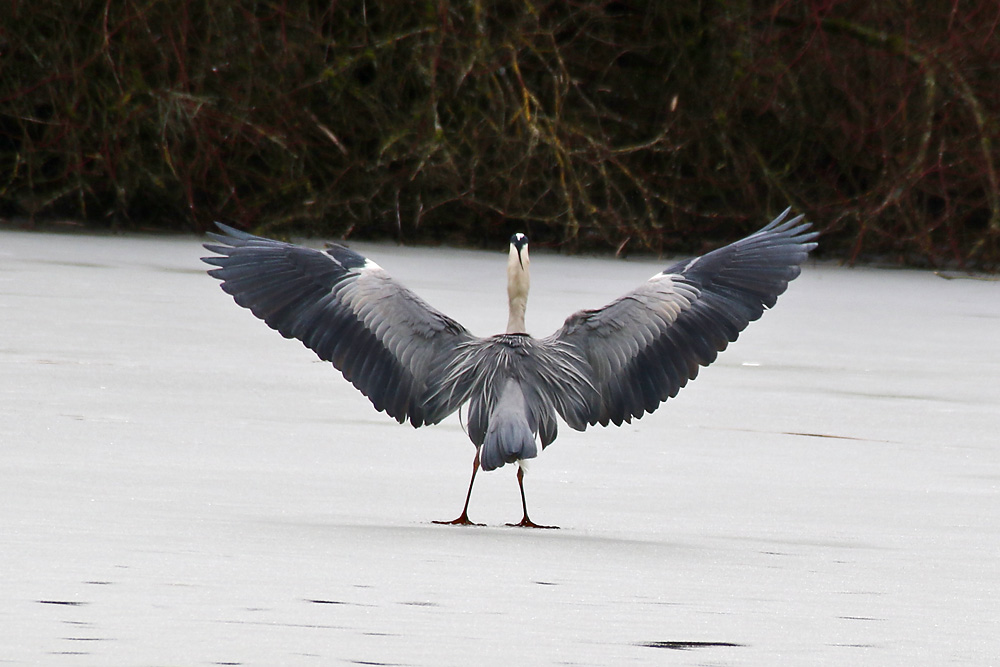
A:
(384, 339)
(644, 347)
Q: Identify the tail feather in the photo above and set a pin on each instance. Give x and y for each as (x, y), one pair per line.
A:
(509, 436)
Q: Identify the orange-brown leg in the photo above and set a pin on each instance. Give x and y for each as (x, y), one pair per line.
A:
(463, 520)
(525, 522)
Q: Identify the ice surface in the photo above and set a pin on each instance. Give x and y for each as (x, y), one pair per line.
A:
(181, 486)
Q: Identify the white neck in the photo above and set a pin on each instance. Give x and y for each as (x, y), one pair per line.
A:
(517, 288)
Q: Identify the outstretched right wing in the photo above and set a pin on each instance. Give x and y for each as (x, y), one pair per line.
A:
(644, 347)
(385, 339)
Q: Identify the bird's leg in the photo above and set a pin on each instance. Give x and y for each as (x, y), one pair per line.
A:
(525, 522)
(464, 519)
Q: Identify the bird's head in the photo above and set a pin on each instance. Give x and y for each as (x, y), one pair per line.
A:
(519, 249)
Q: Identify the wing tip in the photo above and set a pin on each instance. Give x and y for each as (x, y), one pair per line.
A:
(232, 231)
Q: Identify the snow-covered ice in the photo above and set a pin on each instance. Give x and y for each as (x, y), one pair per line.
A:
(181, 486)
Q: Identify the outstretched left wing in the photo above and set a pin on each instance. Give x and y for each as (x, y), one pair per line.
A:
(385, 339)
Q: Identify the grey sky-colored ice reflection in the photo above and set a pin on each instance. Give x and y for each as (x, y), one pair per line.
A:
(180, 485)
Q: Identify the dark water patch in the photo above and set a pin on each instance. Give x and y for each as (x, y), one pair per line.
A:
(957, 275)
(419, 603)
(546, 583)
(805, 434)
(78, 265)
(687, 646)
(940, 398)
(65, 603)
(824, 435)
(173, 269)
(860, 618)
(323, 601)
(99, 583)
(277, 624)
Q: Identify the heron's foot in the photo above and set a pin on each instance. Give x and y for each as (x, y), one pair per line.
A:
(528, 523)
(460, 521)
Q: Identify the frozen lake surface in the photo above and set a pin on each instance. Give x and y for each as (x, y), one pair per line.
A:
(181, 486)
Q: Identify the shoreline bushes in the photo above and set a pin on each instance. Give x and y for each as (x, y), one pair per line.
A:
(626, 126)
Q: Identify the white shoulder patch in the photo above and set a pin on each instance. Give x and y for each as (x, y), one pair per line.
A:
(660, 276)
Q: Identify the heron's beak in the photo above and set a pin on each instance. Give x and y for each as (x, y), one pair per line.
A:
(519, 259)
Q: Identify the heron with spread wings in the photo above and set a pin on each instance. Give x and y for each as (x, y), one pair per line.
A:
(603, 366)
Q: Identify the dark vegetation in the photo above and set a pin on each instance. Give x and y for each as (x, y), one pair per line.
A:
(628, 125)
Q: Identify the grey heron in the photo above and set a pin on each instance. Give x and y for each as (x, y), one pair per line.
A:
(607, 365)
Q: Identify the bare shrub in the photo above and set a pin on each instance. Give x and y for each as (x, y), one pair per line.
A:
(628, 125)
